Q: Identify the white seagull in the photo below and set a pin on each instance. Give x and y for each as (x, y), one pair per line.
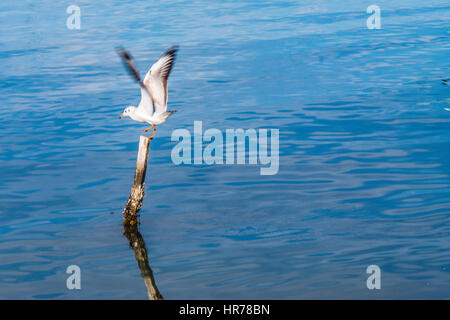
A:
(153, 106)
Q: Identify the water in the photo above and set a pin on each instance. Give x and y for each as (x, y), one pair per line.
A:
(364, 150)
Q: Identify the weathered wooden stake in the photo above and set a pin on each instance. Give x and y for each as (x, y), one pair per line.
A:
(134, 203)
(130, 219)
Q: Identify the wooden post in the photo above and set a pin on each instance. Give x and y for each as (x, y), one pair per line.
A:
(130, 219)
(134, 203)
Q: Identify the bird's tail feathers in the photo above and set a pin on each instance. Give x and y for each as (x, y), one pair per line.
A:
(169, 113)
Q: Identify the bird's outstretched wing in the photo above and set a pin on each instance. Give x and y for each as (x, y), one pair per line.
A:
(156, 78)
(146, 97)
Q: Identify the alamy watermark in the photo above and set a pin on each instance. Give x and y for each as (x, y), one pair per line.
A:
(189, 149)
(74, 280)
(374, 21)
(74, 20)
(374, 280)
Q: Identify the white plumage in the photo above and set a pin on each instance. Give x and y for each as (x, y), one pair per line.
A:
(152, 108)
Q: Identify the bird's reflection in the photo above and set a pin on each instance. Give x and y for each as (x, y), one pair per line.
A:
(140, 252)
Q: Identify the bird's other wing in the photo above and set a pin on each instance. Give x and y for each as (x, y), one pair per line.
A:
(146, 98)
(156, 78)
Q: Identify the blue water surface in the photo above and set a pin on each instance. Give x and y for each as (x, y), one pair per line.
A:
(364, 150)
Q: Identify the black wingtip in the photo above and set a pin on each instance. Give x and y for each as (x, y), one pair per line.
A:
(123, 53)
(172, 51)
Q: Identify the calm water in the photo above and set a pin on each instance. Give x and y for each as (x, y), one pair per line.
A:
(364, 150)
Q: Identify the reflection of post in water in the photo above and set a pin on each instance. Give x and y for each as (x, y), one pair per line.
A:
(134, 203)
(140, 252)
(130, 219)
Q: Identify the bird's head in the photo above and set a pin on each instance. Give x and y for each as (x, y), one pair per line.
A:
(128, 111)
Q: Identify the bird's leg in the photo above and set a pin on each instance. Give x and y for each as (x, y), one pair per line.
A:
(153, 135)
(153, 126)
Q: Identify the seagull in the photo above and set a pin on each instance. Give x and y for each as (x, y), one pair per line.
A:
(153, 106)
